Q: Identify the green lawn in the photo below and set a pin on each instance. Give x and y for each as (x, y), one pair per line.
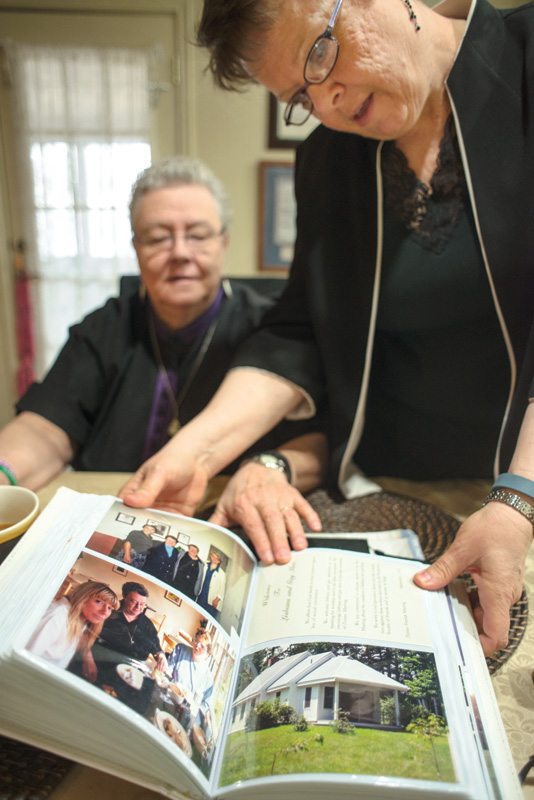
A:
(366, 751)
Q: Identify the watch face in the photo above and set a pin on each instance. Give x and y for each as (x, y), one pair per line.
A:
(272, 461)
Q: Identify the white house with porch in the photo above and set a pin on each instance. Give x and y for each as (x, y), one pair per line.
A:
(317, 686)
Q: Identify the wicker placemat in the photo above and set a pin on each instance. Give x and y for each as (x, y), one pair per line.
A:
(27, 773)
(435, 528)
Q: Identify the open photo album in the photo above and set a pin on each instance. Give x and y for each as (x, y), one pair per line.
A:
(156, 647)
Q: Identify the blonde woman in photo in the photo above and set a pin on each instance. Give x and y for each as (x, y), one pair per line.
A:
(72, 624)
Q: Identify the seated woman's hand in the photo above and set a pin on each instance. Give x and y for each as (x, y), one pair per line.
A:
(168, 483)
(269, 510)
(492, 546)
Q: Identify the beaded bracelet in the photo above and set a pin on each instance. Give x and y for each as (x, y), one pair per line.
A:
(516, 482)
(8, 472)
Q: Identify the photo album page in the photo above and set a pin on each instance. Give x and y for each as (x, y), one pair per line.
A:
(156, 647)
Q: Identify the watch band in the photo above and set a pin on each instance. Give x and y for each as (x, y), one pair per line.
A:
(513, 500)
(271, 459)
(516, 483)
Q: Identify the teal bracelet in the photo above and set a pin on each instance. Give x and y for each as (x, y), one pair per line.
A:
(8, 472)
(509, 481)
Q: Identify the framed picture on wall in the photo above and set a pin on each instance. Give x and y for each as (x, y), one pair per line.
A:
(128, 519)
(281, 135)
(173, 598)
(161, 528)
(276, 223)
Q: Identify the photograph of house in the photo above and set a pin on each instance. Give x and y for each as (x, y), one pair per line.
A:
(337, 707)
(317, 686)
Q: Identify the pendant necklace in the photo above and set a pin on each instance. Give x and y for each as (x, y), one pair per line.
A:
(177, 400)
(131, 636)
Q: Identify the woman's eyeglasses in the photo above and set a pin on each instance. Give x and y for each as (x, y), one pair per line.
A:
(320, 62)
(198, 241)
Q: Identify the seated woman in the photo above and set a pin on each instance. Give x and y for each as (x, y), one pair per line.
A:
(136, 369)
(72, 624)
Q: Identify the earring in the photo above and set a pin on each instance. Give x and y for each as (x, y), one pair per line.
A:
(411, 12)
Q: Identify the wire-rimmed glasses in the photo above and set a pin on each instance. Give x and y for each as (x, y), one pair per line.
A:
(320, 62)
(164, 240)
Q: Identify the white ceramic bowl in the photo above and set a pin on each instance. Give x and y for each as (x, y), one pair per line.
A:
(18, 508)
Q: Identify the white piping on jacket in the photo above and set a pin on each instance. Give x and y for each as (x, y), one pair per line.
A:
(498, 309)
(351, 481)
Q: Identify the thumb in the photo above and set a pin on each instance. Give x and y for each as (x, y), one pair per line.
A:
(441, 572)
(142, 489)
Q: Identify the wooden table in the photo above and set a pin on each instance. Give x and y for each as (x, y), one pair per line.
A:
(513, 682)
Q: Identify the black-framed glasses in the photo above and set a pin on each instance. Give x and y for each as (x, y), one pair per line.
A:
(320, 62)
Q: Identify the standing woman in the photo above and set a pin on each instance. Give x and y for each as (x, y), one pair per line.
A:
(412, 289)
(73, 623)
(211, 595)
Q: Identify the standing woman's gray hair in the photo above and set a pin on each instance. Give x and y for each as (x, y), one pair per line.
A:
(181, 171)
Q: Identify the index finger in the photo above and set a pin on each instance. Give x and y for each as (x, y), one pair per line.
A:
(253, 525)
(308, 514)
(275, 522)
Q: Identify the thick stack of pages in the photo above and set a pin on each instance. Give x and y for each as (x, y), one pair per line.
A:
(215, 677)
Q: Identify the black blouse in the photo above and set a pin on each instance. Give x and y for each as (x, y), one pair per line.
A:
(440, 369)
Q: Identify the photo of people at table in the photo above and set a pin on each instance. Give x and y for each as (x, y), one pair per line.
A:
(143, 646)
(193, 558)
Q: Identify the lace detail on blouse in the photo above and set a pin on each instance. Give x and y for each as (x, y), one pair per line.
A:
(430, 213)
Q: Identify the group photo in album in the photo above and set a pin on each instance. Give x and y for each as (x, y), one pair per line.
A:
(196, 561)
(151, 650)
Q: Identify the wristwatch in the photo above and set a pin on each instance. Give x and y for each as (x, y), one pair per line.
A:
(513, 500)
(271, 459)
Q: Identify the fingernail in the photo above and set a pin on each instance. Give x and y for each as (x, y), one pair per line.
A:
(424, 577)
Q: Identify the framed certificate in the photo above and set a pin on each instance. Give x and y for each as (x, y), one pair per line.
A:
(277, 211)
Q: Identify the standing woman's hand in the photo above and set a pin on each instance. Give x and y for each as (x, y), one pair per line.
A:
(492, 545)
